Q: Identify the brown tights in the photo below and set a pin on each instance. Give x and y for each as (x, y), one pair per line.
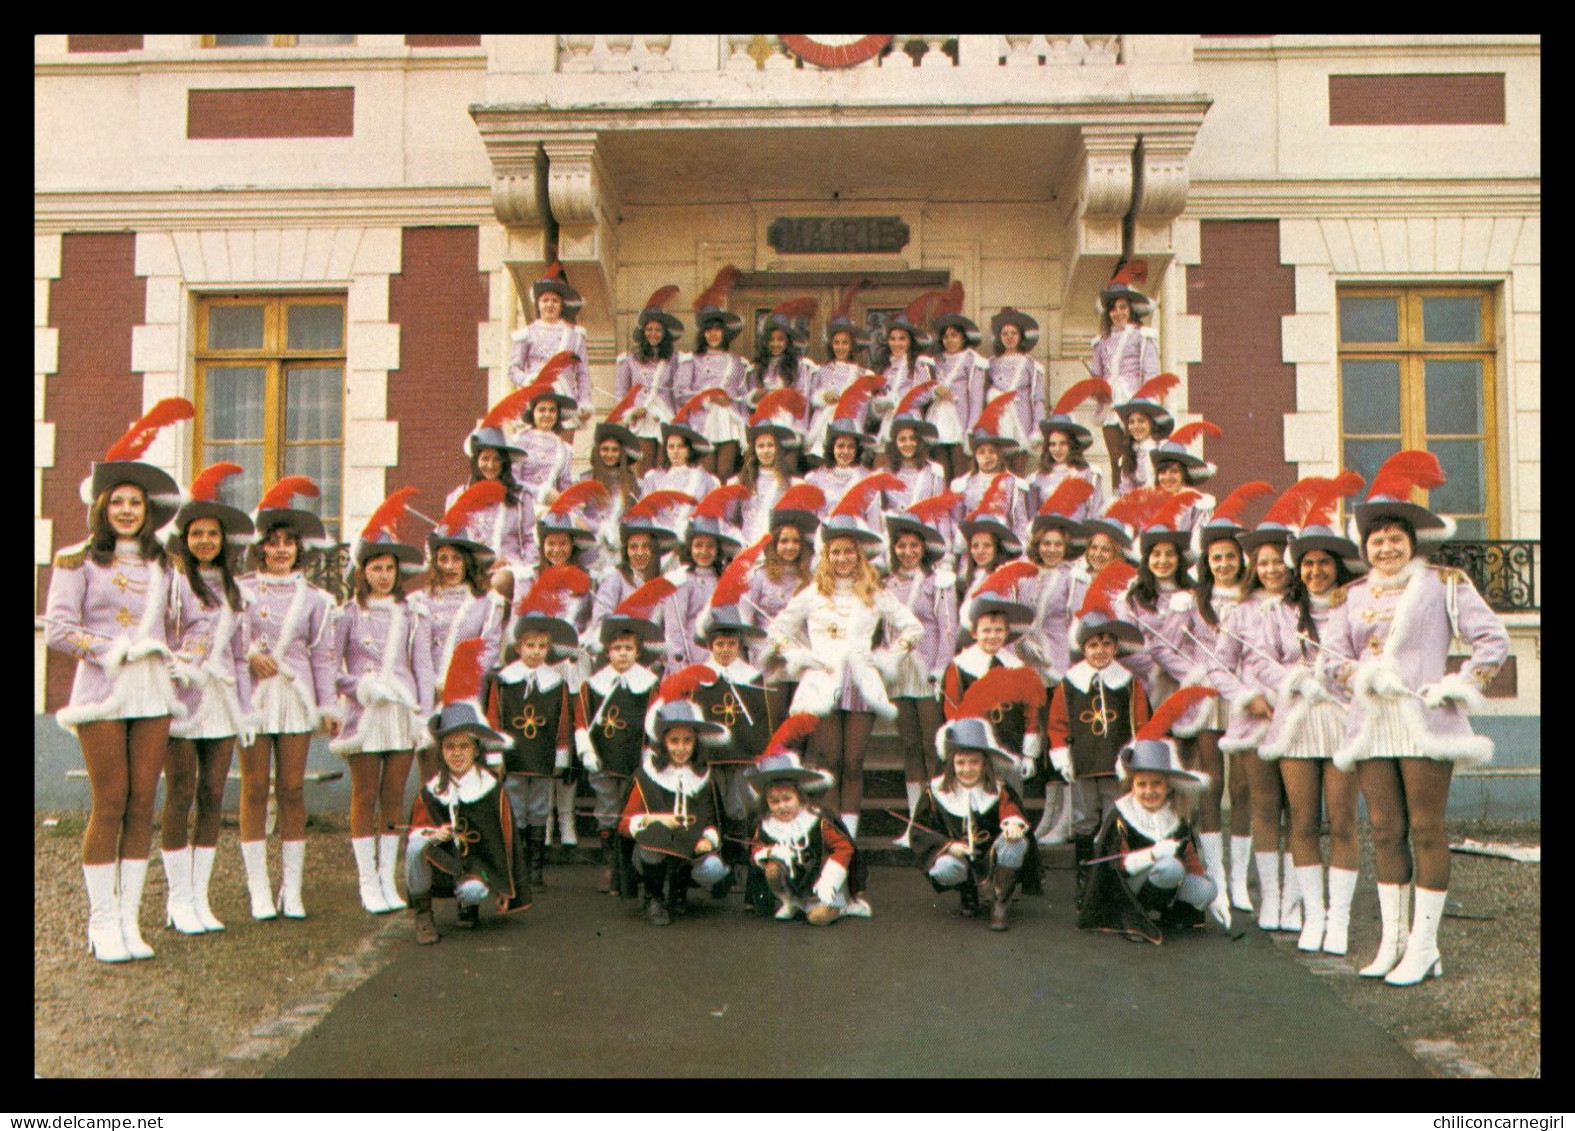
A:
(197, 768)
(1405, 801)
(289, 786)
(124, 758)
(1306, 781)
(377, 785)
(838, 746)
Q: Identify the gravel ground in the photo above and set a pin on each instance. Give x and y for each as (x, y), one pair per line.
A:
(227, 1005)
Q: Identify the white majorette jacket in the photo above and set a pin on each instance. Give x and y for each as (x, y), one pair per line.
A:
(825, 641)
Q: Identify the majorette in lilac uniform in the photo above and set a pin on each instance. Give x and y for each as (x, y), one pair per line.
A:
(1309, 712)
(1154, 880)
(804, 857)
(290, 652)
(637, 565)
(764, 469)
(905, 369)
(1145, 422)
(709, 543)
(713, 366)
(384, 649)
(680, 468)
(845, 456)
(827, 384)
(461, 825)
(609, 711)
(990, 449)
(110, 607)
(1065, 444)
(1159, 602)
(506, 522)
(1012, 370)
(780, 358)
(1396, 626)
(824, 635)
(907, 455)
(546, 465)
(553, 333)
(922, 579)
(615, 456)
(212, 680)
(961, 369)
(990, 542)
(652, 369)
(785, 568)
(1126, 353)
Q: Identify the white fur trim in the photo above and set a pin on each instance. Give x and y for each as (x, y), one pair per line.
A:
(1401, 715)
(1181, 601)
(872, 688)
(816, 694)
(1453, 688)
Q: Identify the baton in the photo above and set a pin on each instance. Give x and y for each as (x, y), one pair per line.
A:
(1348, 660)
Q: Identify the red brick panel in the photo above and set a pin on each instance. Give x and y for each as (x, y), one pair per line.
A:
(1241, 290)
(1416, 100)
(92, 43)
(316, 111)
(438, 392)
(442, 41)
(93, 396)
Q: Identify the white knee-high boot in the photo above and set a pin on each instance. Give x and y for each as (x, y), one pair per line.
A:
(293, 853)
(1310, 881)
(852, 821)
(1290, 895)
(387, 858)
(1336, 930)
(133, 875)
(915, 791)
(365, 849)
(255, 855)
(202, 858)
(105, 942)
(563, 795)
(1421, 959)
(1268, 890)
(1211, 846)
(179, 911)
(1240, 859)
(1390, 944)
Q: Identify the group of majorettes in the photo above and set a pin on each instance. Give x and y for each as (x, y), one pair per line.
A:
(762, 560)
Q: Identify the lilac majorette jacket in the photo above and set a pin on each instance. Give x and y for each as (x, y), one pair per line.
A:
(1309, 707)
(825, 641)
(385, 675)
(680, 612)
(1019, 373)
(656, 379)
(916, 673)
(923, 483)
(1045, 645)
(292, 621)
(1236, 665)
(1143, 471)
(535, 345)
(117, 621)
(754, 514)
(1126, 359)
(714, 369)
(1043, 484)
(546, 468)
(211, 671)
(972, 488)
(694, 481)
(965, 373)
(508, 531)
(831, 379)
(455, 614)
(1396, 634)
(610, 591)
(904, 374)
(1168, 665)
(768, 379)
(763, 600)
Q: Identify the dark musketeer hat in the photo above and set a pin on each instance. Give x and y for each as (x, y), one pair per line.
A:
(123, 463)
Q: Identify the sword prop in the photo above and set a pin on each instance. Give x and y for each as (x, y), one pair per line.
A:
(1302, 636)
(37, 620)
(1243, 641)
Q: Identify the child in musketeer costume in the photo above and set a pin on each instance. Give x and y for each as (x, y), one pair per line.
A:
(608, 712)
(735, 697)
(528, 701)
(461, 824)
(672, 812)
(1149, 874)
(803, 855)
(969, 826)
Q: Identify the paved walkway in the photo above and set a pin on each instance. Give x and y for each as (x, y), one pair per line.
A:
(582, 986)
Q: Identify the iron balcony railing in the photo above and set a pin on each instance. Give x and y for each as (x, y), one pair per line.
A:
(1504, 571)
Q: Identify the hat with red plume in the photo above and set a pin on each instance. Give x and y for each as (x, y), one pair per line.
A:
(1389, 496)
(711, 304)
(1149, 400)
(567, 514)
(122, 463)
(1056, 512)
(657, 514)
(987, 428)
(847, 517)
(655, 310)
(204, 503)
(842, 316)
(1060, 418)
(710, 516)
(613, 426)
(1165, 524)
(847, 419)
(1225, 523)
(991, 597)
(460, 712)
(544, 607)
(800, 505)
(1152, 751)
(453, 529)
(636, 615)
(990, 516)
(908, 413)
(554, 281)
(1026, 326)
(779, 414)
(723, 610)
(673, 706)
(1194, 468)
(380, 535)
(1098, 613)
(968, 727)
(792, 318)
(925, 519)
(781, 764)
(1124, 284)
(1318, 531)
(948, 318)
(490, 432)
(274, 509)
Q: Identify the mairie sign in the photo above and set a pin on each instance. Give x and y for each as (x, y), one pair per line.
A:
(837, 235)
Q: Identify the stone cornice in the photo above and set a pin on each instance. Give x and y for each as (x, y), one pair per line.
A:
(1336, 48)
(284, 62)
(215, 208)
(1274, 199)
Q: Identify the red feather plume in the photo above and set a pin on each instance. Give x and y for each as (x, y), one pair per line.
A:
(700, 400)
(656, 502)
(1405, 471)
(556, 364)
(1172, 709)
(1291, 508)
(789, 400)
(1006, 578)
(1133, 274)
(685, 682)
(991, 502)
(719, 501)
(512, 406)
(905, 405)
(387, 515)
(577, 495)
(1134, 507)
(1321, 513)
(1068, 497)
(1096, 387)
(552, 587)
(1170, 510)
(478, 496)
(661, 297)
(1190, 432)
(951, 300)
(554, 270)
(1155, 388)
(852, 402)
(1108, 584)
(623, 406)
(936, 506)
(923, 308)
(1001, 687)
(801, 497)
(721, 286)
(845, 306)
(464, 672)
(279, 495)
(989, 420)
(205, 488)
(136, 439)
(797, 308)
(640, 603)
(1234, 503)
(735, 578)
(793, 730)
(857, 499)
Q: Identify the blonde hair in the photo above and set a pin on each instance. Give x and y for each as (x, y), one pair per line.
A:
(866, 582)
